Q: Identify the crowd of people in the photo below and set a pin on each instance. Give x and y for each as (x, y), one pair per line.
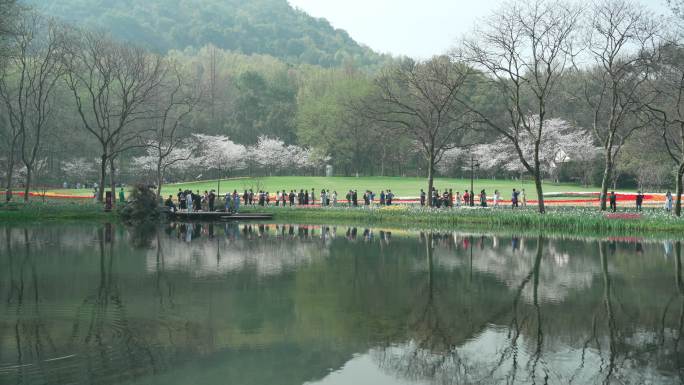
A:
(449, 198)
(187, 200)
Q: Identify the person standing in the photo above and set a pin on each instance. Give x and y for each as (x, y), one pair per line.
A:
(497, 197)
(466, 198)
(228, 202)
(212, 200)
(668, 201)
(483, 198)
(382, 197)
(322, 197)
(422, 198)
(514, 199)
(313, 197)
(457, 199)
(613, 201)
(236, 201)
(639, 200)
(523, 198)
(189, 201)
(334, 198)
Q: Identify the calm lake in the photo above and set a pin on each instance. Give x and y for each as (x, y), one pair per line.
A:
(271, 304)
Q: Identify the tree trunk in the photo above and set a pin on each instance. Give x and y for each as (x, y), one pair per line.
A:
(160, 177)
(10, 174)
(431, 177)
(112, 181)
(27, 187)
(103, 175)
(680, 186)
(540, 191)
(607, 173)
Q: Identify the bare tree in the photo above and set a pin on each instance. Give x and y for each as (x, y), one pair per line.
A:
(27, 86)
(621, 46)
(9, 12)
(668, 109)
(521, 53)
(420, 99)
(175, 104)
(112, 84)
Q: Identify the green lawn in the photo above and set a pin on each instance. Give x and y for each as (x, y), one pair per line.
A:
(402, 187)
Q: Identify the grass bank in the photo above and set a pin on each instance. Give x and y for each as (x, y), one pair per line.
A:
(577, 221)
(49, 210)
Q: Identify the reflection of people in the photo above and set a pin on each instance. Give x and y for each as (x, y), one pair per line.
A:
(667, 246)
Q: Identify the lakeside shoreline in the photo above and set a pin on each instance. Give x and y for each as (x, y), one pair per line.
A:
(576, 220)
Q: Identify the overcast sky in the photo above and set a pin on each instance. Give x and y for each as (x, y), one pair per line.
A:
(416, 28)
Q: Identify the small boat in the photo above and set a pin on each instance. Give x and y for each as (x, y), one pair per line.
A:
(217, 216)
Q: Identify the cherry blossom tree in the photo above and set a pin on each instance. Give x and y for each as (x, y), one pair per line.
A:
(560, 143)
(78, 168)
(271, 154)
(520, 54)
(218, 153)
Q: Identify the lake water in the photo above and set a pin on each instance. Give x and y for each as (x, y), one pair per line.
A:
(292, 304)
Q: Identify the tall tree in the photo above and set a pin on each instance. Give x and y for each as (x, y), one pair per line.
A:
(27, 86)
(668, 109)
(112, 84)
(419, 98)
(622, 43)
(521, 53)
(173, 105)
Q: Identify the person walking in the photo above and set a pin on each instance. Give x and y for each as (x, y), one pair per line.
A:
(334, 198)
(483, 198)
(613, 201)
(457, 199)
(497, 197)
(523, 198)
(466, 198)
(382, 197)
(639, 200)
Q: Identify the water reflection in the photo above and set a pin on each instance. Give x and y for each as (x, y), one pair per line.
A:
(294, 304)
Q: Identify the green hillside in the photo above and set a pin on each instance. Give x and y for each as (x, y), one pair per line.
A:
(271, 27)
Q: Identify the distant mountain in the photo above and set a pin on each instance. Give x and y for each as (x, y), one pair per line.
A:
(271, 27)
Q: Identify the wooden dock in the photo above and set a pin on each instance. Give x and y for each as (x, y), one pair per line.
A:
(217, 216)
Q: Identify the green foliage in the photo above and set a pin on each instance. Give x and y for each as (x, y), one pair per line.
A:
(142, 205)
(270, 27)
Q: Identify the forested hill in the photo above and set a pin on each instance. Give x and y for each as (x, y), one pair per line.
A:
(271, 27)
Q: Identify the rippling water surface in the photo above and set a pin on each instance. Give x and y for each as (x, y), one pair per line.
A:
(293, 304)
